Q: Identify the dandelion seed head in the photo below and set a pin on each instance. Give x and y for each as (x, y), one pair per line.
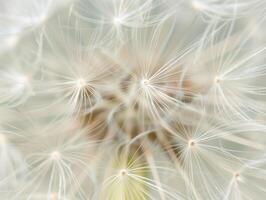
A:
(132, 99)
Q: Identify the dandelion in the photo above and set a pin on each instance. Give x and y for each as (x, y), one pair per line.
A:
(132, 100)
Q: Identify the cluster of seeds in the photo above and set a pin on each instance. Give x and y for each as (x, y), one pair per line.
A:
(133, 100)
